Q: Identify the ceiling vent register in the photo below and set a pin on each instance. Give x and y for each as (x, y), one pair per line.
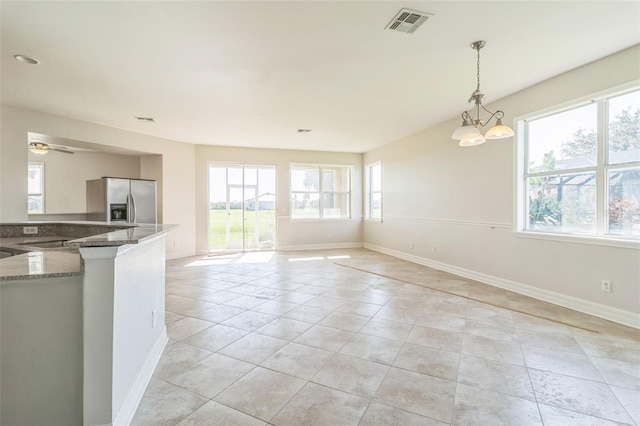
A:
(408, 21)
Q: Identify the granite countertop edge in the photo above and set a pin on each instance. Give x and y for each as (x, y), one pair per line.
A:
(10, 267)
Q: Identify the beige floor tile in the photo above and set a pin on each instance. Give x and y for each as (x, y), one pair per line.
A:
(418, 393)
(495, 376)
(492, 330)
(177, 357)
(212, 375)
(246, 302)
(216, 337)
(373, 348)
(261, 393)
(307, 314)
(398, 313)
(324, 302)
(630, 400)
(492, 349)
(164, 404)
(481, 407)
(549, 338)
(488, 341)
(434, 338)
(218, 313)
(171, 317)
(213, 413)
(298, 360)
(191, 307)
(359, 308)
(379, 414)
(321, 406)
(442, 322)
(284, 328)
(387, 329)
(554, 416)
(221, 297)
(353, 375)
(253, 348)
(567, 363)
(344, 321)
(297, 297)
(185, 327)
(425, 360)
(275, 307)
(583, 396)
(249, 320)
(322, 337)
(605, 347)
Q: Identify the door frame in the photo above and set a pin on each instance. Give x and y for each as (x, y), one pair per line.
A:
(242, 186)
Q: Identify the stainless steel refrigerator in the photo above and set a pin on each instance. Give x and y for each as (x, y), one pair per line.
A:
(112, 199)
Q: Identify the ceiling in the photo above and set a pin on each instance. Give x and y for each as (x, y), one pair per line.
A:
(251, 74)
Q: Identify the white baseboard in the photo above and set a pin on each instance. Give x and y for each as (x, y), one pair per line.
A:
(180, 254)
(620, 316)
(130, 404)
(327, 246)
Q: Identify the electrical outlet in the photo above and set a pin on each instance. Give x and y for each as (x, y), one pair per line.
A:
(29, 230)
(606, 286)
(175, 243)
(411, 244)
(153, 318)
(434, 249)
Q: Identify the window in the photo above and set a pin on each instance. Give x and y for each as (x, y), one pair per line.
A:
(320, 192)
(35, 188)
(580, 169)
(374, 191)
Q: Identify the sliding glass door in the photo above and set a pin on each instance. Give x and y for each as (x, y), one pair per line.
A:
(242, 207)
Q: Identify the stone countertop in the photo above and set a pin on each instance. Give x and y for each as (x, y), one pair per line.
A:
(133, 235)
(30, 261)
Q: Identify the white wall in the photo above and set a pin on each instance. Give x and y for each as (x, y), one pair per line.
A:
(177, 168)
(65, 176)
(461, 201)
(291, 235)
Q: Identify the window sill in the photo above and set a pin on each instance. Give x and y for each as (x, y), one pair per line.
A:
(368, 219)
(580, 239)
(337, 219)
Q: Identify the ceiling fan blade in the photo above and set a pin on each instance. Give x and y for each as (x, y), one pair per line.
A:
(61, 150)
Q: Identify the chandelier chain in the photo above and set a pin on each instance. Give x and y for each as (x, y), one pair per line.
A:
(478, 70)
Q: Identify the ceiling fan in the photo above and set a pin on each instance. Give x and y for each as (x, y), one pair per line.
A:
(43, 148)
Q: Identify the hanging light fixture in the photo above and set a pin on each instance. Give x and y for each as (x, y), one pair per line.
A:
(468, 134)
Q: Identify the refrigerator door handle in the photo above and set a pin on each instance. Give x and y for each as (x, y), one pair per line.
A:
(133, 208)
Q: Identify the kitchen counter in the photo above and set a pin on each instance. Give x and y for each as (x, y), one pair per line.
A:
(28, 260)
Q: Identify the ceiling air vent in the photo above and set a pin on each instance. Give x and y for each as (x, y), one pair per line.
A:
(408, 21)
(146, 119)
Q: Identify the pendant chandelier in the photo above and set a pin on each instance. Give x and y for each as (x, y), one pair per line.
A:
(468, 134)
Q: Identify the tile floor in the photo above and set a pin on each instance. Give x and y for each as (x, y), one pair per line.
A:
(296, 339)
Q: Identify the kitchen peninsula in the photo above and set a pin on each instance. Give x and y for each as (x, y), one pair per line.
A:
(81, 320)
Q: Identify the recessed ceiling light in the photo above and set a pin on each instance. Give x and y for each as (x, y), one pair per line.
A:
(304, 130)
(26, 59)
(146, 119)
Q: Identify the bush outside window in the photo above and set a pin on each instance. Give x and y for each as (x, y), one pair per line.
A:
(581, 169)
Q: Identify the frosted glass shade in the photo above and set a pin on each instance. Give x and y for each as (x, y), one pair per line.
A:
(499, 131)
(464, 132)
(38, 151)
(472, 141)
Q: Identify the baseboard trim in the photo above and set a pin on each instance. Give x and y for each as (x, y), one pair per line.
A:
(180, 254)
(596, 309)
(327, 246)
(130, 404)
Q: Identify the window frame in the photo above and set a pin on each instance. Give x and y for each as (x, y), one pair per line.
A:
(369, 192)
(41, 194)
(320, 168)
(601, 170)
